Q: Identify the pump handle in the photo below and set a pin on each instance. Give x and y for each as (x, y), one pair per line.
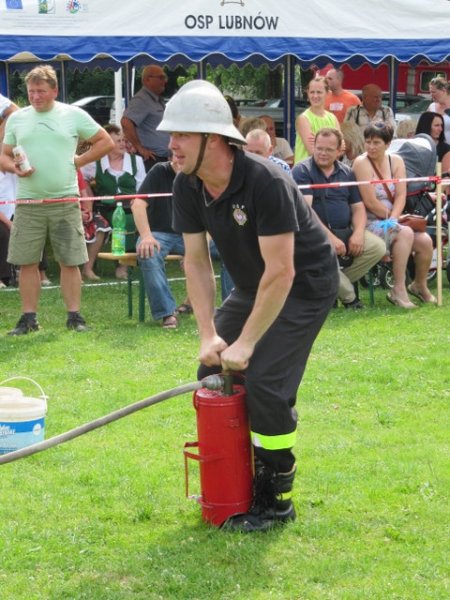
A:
(227, 383)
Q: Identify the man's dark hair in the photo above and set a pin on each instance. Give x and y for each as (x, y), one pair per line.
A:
(379, 129)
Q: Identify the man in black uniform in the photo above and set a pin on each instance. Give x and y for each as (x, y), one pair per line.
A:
(285, 273)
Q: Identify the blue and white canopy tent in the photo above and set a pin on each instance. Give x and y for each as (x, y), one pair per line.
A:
(217, 31)
(84, 29)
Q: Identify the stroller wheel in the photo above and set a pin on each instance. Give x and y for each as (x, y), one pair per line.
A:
(432, 274)
(387, 277)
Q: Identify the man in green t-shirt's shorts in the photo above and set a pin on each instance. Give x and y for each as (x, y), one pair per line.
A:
(48, 131)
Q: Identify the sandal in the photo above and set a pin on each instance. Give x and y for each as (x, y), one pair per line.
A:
(393, 299)
(418, 294)
(184, 309)
(170, 322)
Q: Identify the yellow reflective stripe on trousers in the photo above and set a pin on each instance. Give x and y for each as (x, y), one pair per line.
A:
(284, 496)
(274, 442)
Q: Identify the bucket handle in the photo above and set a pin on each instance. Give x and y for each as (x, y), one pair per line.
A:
(43, 395)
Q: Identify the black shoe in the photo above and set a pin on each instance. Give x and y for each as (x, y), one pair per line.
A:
(272, 505)
(24, 326)
(76, 323)
(259, 521)
(356, 304)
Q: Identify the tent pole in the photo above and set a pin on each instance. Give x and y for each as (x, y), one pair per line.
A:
(4, 79)
(201, 69)
(127, 93)
(63, 79)
(133, 81)
(393, 82)
(118, 95)
(289, 99)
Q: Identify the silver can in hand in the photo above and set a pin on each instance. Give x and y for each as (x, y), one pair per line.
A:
(21, 159)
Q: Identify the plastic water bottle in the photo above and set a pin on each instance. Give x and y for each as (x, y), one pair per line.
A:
(119, 226)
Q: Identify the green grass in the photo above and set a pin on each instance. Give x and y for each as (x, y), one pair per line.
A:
(104, 517)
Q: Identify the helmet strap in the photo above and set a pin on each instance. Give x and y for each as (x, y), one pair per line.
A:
(201, 154)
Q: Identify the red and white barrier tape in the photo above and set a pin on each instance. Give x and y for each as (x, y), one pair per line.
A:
(432, 178)
(84, 199)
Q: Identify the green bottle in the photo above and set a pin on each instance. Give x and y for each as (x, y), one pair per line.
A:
(119, 229)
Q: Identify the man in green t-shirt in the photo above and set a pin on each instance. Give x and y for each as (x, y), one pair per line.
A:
(48, 131)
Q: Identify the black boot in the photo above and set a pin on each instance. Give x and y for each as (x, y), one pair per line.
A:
(25, 325)
(272, 504)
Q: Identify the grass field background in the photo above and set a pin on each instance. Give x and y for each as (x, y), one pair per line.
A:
(104, 517)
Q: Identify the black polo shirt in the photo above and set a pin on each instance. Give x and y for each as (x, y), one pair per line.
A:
(338, 199)
(260, 200)
(159, 212)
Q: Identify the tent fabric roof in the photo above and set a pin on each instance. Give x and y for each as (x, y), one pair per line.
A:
(195, 49)
(339, 31)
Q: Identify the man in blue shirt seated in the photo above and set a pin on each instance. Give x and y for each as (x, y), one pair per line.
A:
(339, 208)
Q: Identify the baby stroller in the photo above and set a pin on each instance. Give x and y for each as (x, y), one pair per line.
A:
(419, 156)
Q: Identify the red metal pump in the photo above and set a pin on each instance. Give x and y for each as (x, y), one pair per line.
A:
(224, 453)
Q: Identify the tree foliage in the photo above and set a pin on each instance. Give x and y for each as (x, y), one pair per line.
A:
(95, 83)
(246, 82)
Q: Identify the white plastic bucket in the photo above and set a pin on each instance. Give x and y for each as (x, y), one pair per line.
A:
(22, 419)
(9, 391)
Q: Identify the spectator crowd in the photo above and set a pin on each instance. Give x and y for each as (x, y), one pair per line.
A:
(339, 138)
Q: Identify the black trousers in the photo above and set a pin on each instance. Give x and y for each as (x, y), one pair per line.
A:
(276, 368)
(5, 267)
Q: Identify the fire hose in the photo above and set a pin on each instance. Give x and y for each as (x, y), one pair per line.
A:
(212, 382)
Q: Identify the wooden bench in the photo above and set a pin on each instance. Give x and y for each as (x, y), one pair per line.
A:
(129, 259)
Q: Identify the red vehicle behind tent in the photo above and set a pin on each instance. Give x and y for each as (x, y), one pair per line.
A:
(411, 80)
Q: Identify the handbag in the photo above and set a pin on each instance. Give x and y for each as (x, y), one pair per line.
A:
(416, 222)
